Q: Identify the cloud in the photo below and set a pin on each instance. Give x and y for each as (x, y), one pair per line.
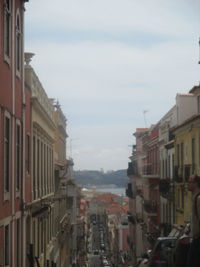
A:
(112, 15)
(101, 146)
(107, 61)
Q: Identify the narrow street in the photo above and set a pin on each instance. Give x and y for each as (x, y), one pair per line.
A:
(94, 261)
(98, 256)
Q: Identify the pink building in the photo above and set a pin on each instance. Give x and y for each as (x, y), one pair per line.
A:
(13, 131)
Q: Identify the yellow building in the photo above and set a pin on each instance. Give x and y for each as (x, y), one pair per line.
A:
(61, 212)
(187, 162)
(40, 211)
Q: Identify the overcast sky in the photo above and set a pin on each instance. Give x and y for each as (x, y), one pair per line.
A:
(107, 61)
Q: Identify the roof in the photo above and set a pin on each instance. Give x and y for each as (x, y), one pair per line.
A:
(192, 118)
(187, 94)
(106, 198)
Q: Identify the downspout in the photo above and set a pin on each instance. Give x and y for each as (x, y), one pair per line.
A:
(23, 217)
(12, 190)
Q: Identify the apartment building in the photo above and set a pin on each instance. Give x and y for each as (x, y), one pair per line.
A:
(62, 204)
(135, 194)
(187, 153)
(40, 210)
(167, 185)
(164, 157)
(150, 175)
(13, 129)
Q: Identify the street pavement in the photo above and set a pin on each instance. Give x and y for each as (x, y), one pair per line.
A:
(94, 261)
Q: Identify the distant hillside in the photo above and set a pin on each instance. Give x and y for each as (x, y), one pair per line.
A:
(86, 177)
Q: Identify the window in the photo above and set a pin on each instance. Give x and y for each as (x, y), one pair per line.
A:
(18, 243)
(38, 167)
(18, 156)
(7, 143)
(28, 153)
(182, 197)
(178, 155)
(42, 168)
(169, 166)
(18, 43)
(198, 103)
(178, 197)
(34, 167)
(193, 155)
(7, 29)
(6, 246)
(181, 154)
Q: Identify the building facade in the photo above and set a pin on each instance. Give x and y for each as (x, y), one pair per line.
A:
(163, 158)
(12, 133)
(39, 222)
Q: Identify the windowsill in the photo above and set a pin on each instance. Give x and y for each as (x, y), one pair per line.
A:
(18, 74)
(17, 193)
(6, 196)
(7, 59)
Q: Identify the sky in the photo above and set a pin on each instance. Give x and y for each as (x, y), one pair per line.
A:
(108, 61)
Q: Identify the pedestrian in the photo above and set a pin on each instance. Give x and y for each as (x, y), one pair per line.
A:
(193, 259)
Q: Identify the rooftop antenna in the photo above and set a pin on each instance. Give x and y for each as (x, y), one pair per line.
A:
(144, 114)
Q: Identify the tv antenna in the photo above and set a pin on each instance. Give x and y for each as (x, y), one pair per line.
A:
(144, 114)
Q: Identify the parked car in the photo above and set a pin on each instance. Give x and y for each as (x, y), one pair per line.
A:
(144, 260)
(170, 251)
(96, 252)
(162, 254)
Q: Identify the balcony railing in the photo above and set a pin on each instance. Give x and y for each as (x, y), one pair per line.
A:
(139, 192)
(178, 174)
(129, 191)
(132, 219)
(71, 190)
(187, 171)
(164, 186)
(150, 170)
(150, 206)
(131, 169)
(139, 217)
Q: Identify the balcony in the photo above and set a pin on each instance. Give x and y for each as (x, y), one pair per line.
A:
(150, 171)
(63, 189)
(129, 191)
(124, 220)
(132, 219)
(187, 172)
(71, 190)
(139, 192)
(131, 169)
(150, 207)
(139, 217)
(164, 186)
(178, 174)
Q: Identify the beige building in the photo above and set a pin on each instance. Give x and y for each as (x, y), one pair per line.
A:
(39, 226)
(62, 204)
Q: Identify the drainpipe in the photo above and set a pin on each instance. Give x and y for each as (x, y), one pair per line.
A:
(12, 189)
(23, 217)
